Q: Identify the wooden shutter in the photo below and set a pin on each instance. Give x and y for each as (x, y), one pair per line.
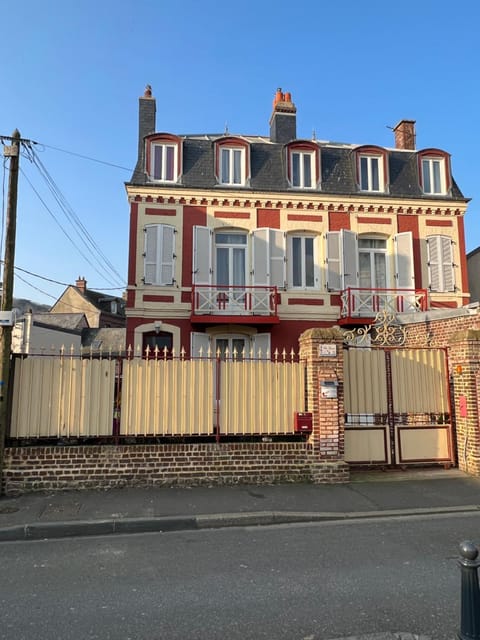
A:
(151, 254)
(200, 343)
(167, 254)
(404, 273)
(202, 255)
(334, 272)
(268, 249)
(446, 256)
(261, 345)
(441, 269)
(349, 262)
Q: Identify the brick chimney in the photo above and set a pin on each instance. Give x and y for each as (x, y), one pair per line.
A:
(283, 122)
(81, 284)
(405, 134)
(146, 123)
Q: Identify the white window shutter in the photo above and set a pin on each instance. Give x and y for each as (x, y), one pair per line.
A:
(261, 345)
(260, 255)
(334, 271)
(167, 255)
(433, 257)
(200, 345)
(202, 255)
(448, 270)
(151, 254)
(404, 273)
(277, 258)
(349, 262)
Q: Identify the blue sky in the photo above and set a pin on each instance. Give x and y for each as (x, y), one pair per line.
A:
(73, 70)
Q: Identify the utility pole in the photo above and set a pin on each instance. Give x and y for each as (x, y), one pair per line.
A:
(12, 152)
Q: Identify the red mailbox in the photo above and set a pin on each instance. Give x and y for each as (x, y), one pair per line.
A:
(303, 422)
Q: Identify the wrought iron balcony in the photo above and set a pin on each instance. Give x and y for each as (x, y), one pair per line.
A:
(366, 303)
(238, 301)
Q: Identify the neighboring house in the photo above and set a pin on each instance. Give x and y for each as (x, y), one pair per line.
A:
(101, 310)
(473, 265)
(46, 333)
(105, 341)
(245, 241)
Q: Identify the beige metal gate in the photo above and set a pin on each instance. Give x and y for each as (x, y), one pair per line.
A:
(397, 406)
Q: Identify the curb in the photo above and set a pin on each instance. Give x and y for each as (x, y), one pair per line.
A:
(163, 524)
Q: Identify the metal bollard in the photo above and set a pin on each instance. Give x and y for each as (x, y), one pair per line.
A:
(470, 592)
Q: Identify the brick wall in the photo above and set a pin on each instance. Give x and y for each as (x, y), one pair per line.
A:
(101, 467)
(438, 333)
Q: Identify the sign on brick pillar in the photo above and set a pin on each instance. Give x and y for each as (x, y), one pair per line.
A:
(322, 351)
(464, 361)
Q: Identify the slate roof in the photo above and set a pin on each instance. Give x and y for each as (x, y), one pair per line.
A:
(268, 170)
(68, 322)
(104, 340)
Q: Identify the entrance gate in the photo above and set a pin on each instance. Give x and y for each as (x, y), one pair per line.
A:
(397, 406)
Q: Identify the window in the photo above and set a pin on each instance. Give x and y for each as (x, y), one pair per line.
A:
(303, 164)
(371, 173)
(232, 162)
(163, 160)
(441, 273)
(433, 176)
(302, 262)
(231, 167)
(302, 169)
(372, 260)
(159, 254)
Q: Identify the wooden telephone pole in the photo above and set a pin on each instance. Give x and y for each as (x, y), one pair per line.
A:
(12, 152)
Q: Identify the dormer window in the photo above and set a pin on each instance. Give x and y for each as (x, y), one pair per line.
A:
(372, 169)
(303, 161)
(163, 158)
(434, 177)
(232, 162)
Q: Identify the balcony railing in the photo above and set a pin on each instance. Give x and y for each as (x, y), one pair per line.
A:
(236, 301)
(365, 303)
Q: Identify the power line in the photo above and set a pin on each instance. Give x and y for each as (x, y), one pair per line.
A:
(64, 284)
(73, 218)
(79, 155)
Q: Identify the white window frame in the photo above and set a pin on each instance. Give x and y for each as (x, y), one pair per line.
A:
(159, 255)
(163, 174)
(301, 177)
(368, 173)
(302, 237)
(441, 267)
(428, 175)
(230, 179)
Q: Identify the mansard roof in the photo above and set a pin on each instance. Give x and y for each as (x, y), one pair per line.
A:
(268, 168)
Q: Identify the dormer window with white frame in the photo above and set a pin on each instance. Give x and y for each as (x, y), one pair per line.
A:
(163, 158)
(433, 176)
(371, 170)
(232, 161)
(302, 162)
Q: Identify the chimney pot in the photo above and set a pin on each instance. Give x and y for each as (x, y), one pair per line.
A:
(81, 284)
(283, 122)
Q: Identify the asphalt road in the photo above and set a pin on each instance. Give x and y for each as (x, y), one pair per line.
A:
(288, 582)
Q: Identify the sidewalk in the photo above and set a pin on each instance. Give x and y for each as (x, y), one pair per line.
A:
(81, 513)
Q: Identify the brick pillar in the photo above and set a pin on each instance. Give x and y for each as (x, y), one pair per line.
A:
(464, 364)
(322, 350)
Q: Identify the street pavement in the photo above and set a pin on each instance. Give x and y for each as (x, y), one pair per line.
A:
(389, 494)
(132, 510)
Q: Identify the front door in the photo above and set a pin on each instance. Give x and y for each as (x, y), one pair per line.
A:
(230, 262)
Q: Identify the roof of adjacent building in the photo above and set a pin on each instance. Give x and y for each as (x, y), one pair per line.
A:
(68, 322)
(104, 340)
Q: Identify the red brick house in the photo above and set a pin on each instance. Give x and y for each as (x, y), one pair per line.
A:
(244, 241)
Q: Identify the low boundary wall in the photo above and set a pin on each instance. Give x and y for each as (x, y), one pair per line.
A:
(108, 466)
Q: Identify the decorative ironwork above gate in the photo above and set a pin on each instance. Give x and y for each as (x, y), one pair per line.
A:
(383, 332)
